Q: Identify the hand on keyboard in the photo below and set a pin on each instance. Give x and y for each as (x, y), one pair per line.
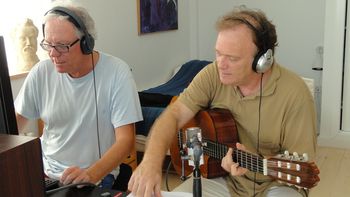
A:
(51, 184)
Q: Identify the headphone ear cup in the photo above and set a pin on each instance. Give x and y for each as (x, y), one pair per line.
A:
(87, 43)
(263, 61)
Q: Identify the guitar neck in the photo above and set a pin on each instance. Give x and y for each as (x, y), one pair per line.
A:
(247, 160)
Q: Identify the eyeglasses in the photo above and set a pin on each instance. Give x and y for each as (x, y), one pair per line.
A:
(61, 48)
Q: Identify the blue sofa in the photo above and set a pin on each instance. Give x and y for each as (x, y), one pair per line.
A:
(154, 100)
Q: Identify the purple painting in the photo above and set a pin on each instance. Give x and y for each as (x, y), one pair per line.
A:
(157, 15)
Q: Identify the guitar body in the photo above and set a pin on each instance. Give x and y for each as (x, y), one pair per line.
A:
(217, 125)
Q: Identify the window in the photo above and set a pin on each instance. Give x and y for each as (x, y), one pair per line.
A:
(11, 14)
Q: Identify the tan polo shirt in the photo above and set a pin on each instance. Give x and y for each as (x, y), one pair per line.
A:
(287, 117)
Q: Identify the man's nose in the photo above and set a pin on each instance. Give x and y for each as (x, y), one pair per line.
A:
(54, 53)
(222, 61)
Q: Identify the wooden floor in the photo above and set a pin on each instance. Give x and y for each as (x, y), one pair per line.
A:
(334, 174)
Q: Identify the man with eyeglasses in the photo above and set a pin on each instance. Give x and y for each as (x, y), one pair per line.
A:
(87, 100)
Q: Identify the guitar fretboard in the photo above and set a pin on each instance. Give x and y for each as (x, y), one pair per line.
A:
(247, 160)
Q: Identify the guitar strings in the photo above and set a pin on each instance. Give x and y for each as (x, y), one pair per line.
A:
(217, 150)
(285, 170)
(246, 160)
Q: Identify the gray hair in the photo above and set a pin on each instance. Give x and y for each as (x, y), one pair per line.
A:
(79, 11)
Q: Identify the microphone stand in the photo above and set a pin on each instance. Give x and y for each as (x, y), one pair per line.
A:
(197, 183)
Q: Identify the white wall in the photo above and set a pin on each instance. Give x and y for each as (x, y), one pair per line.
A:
(299, 24)
(151, 56)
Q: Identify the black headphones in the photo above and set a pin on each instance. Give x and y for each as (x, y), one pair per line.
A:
(87, 42)
(263, 60)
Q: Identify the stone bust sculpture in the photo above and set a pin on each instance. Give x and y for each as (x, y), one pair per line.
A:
(25, 36)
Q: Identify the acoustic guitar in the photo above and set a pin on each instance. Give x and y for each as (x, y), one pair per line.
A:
(219, 132)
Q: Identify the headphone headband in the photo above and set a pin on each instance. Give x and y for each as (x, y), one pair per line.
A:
(259, 35)
(87, 42)
(72, 17)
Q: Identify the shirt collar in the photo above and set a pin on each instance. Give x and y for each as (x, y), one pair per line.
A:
(270, 85)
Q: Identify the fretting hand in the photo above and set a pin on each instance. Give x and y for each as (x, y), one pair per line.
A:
(227, 162)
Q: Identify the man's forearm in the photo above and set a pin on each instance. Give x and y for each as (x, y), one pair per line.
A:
(161, 136)
(110, 160)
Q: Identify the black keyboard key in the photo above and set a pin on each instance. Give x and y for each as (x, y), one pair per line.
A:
(51, 184)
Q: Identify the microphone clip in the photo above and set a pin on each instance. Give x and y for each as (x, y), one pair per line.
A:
(194, 146)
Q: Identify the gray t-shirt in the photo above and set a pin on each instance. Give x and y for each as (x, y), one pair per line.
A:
(67, 106)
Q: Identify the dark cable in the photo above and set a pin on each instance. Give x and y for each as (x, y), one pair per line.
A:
(95, 94)
(259, 114)
(69, 186)
(259, 119)
(167, 177)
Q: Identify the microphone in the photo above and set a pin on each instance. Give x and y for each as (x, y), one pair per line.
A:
(194, 145)
(194, 142)
(197, 149)
(197, 153)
